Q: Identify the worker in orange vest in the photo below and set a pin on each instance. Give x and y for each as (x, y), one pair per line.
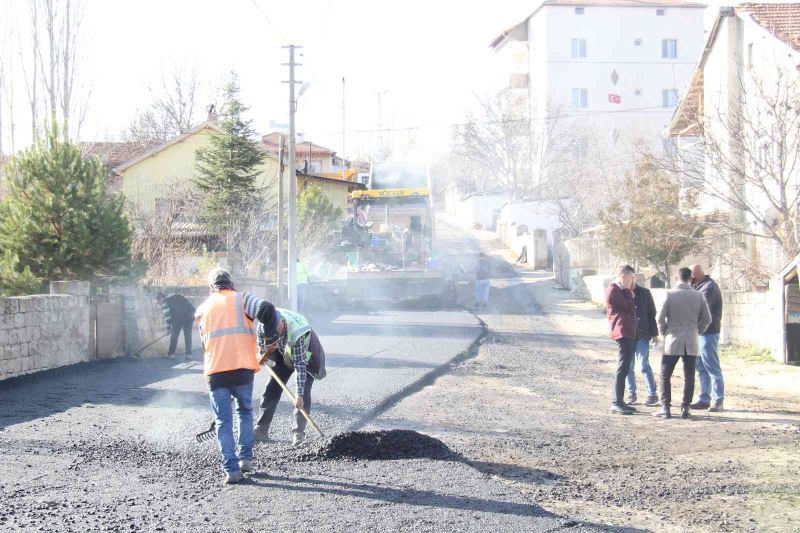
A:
(225, 320)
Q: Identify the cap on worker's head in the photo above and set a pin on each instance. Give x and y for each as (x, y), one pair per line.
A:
(219, 278)
(269, 318)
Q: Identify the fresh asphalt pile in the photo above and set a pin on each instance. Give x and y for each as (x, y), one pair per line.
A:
(383, 445)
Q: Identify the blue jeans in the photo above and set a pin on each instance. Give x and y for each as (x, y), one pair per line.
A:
(643, 362)
(482, 291)
(709, 373)
(222, 405)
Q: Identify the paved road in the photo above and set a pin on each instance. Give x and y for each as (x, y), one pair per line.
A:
(108, 445)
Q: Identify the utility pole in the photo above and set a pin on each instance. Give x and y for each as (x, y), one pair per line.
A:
(281, 222)
(343, 131)
(292, 237)
(382, 153)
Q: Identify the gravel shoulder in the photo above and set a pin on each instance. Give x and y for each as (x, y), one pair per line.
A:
(531, 409)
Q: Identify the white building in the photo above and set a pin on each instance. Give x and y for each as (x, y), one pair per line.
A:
(611, 70)
(749, 67)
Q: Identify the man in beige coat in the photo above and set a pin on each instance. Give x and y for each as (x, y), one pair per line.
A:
(682, 318)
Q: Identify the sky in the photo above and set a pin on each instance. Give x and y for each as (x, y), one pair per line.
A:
(427, 59)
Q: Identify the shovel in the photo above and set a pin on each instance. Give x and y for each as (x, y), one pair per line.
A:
(292, 397)
(212, 430)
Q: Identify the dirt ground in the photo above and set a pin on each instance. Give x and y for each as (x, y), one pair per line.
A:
(532, 409)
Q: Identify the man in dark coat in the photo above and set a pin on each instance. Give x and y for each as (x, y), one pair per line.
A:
(179, 316)
(709, 371)
(646, 331)
(621, 312)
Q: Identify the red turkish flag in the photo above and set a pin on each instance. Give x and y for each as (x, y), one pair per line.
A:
(614, 99)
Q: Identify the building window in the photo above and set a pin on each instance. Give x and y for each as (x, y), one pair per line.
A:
(578, 48)
(637, 42)
(669, 48)
(661, 12)
(750, 55)
(580, 98)
(637, 92)
(669, 97)
(579, 11)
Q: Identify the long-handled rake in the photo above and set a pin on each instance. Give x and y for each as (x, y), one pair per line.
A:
(207, 434)
(143, 348)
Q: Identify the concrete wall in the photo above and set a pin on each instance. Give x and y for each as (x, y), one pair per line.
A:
(533, 214)
(43, 332)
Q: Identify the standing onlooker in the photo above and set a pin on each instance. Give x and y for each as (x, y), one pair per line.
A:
(709, 371)
(646, 331)
(179, 316)
(682, 318)
(482, 276)
(621, 312)
(226, 322)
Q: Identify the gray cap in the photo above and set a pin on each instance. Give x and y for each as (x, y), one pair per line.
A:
(218, 277)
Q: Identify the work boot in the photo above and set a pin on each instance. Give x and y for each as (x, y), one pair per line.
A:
(298, 438)
(663, 412)
(620, 410)
(233, 477)
(246, 465)
(684, 412)
(631, 399)
(261, 434)
(652, 401)
(629, 408)
(716, 408)
(699, 405)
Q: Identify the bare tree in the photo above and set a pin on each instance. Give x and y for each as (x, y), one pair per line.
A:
(175, 108)
(48, 51)
(499, 141)
(742, 165)
(161, 236)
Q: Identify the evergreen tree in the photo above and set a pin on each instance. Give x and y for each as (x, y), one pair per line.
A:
(228, 168)
(650, 224)
(317, 218)
(15, 281)
(57, 219)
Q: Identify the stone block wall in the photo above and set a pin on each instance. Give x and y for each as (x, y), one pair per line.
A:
(43, 332)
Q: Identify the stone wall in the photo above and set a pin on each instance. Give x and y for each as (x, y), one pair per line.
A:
(42, 332)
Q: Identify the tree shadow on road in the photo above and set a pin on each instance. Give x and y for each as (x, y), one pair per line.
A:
(410, 496)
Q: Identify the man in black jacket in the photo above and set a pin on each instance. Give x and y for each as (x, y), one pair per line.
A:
(646, 331)
(709, 371)
(179, 316)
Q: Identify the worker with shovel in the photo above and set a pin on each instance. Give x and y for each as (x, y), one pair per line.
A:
(226, 322)
(288, 345)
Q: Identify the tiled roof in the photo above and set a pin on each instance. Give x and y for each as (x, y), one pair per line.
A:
(271, 141)
(781, 20)
(113, 154)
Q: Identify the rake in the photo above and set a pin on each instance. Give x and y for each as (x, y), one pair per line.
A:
(208, 434)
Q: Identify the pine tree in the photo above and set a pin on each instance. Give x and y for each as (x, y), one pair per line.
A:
(317, 218)
(228, 168)
(15, 281)
(57, 218)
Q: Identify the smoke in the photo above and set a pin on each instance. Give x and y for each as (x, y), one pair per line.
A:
(173, 417)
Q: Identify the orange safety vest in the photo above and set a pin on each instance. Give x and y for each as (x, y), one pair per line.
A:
(228, 335)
